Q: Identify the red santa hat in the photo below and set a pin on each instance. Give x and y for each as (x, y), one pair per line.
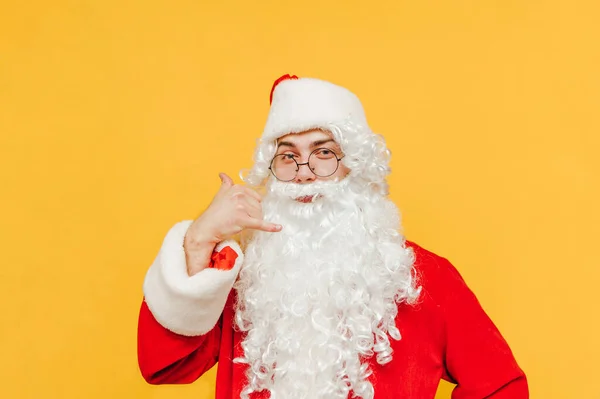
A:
(300, 104)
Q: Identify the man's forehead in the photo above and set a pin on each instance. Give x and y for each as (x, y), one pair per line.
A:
(317, 136)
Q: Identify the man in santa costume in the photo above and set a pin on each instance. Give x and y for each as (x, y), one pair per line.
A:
(327, 299)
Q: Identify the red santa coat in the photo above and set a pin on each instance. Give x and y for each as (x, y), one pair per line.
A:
(446, 335)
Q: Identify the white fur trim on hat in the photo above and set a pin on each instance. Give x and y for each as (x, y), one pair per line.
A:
(183, 304)
(306, 103)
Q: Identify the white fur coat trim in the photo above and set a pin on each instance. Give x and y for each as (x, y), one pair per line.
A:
(183, 304)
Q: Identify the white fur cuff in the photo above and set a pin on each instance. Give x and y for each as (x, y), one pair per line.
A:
(183, 304)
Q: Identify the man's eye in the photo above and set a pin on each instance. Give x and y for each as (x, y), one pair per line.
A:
(325, 153)
(289, 156)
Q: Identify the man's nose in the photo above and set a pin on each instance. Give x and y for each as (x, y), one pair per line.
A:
(304, 175)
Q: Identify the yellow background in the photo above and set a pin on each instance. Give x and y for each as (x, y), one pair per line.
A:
(115, 118)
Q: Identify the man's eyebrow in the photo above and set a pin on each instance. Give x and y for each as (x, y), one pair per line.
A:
(286, 144)
(321, 142)
(313, 144)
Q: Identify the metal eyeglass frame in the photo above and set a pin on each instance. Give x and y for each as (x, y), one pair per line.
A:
(307, 164)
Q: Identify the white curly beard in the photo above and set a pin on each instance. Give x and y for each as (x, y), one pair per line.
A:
(319, 298)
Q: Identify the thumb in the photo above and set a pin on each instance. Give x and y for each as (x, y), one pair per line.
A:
(226, 181)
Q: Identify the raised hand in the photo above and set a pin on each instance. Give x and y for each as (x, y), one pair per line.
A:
(233, 209)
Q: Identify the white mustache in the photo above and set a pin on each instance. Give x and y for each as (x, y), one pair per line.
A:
(319, 188)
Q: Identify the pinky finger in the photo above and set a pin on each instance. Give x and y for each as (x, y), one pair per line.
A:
(258, 224)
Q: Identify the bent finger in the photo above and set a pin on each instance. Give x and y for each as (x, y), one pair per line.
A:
(252, 203)
(252, 193)
(254, 213)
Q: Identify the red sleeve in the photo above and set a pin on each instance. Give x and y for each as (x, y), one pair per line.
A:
(165, 357)
(477, 358)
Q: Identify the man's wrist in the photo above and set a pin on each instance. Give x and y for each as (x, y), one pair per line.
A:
(198, 251)
(201, 237)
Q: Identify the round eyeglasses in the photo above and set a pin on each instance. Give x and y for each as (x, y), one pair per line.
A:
(323, 162)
